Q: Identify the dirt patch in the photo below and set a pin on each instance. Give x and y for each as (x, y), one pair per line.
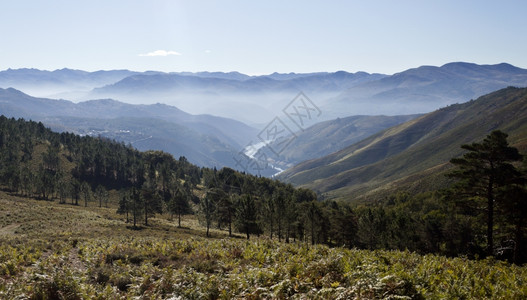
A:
(9, 229)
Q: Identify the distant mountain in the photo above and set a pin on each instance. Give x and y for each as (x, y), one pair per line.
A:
(415, 154)
(220, 75)
(327, 137)
(224, 85)
(212, 141)
(258, 99)
(255, 99)
(426, 88)
(63, 81)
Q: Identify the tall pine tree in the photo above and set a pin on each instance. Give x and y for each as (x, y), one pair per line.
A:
(482, 172)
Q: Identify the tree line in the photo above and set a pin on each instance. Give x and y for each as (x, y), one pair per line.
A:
(36, 162)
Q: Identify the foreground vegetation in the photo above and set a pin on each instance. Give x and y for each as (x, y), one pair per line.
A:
(200, 268)
(61, 251)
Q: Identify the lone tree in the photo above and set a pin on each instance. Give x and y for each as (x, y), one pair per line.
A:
(482, 172)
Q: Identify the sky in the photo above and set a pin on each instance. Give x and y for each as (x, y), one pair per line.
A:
(260, 37)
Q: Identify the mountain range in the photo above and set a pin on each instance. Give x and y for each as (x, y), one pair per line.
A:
(256, 100)
(426, 88)
(415, 155)
(214, 107)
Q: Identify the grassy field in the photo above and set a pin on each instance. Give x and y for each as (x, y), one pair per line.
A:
(60, 251)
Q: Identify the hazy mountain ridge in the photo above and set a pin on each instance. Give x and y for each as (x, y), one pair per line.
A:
(255, 100)
(338, 94)
(64, 81)
(426, 88)
(258, 99)
(406, 153)
(267, 83)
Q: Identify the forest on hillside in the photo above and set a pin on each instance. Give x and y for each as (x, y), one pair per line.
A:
(85, 171)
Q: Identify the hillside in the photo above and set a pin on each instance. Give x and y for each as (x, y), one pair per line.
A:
(415, 153)
(54, 251)
(327, 137)
(204, 139)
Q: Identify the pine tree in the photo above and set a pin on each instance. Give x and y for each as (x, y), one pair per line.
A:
(178, 202)
(136, 205)
(482, 172)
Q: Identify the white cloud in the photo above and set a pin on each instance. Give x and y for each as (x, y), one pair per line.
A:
(160, 53)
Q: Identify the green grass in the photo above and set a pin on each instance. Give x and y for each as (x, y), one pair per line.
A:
(54, 251)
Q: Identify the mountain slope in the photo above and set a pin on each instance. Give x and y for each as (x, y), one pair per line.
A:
(206, 140)
(416, 150)
(153, 134)
(327, 137)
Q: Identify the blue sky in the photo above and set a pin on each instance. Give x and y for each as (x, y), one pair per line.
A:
(260, 37)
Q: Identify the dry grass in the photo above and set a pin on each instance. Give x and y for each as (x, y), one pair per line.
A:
(27, 219)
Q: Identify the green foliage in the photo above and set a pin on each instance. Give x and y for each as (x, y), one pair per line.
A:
(204, 268)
